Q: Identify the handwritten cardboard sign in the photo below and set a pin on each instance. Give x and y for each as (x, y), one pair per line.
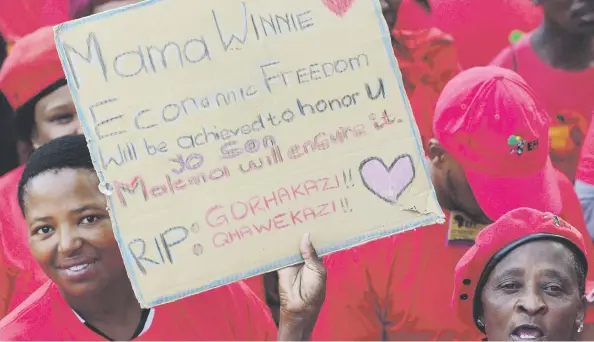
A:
(224, 130)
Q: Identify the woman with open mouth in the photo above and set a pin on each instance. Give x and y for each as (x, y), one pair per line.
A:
(524, 279)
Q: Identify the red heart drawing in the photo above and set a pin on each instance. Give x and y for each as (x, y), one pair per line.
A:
(340, 7)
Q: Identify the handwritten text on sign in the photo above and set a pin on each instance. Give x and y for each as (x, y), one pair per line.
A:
(224, 130)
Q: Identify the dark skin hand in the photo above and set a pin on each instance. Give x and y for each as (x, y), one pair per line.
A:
(302, 290)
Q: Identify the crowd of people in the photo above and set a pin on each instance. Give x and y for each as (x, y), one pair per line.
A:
(501, 94)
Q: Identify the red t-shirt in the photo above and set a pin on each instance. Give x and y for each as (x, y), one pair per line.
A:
(256, 284)
(400, 288)
(231, 313)
(481, 29)
(22, 271)
(567, 97)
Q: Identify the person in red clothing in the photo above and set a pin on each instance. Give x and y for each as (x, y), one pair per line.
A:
(427, 60)
(481, 29)
(89, 295)
(557, 61)
(33, 81)
(489, 156)
(511, 295)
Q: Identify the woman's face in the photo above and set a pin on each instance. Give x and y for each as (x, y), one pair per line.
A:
(533, 294)
(55, 116)
(70, 233)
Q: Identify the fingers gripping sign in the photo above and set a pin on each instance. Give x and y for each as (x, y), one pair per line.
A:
(302, 287)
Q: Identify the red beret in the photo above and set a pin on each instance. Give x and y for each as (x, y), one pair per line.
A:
(32, 65)
(513, 229)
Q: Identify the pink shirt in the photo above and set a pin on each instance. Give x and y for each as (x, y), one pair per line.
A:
(228, 313)
(20, 270)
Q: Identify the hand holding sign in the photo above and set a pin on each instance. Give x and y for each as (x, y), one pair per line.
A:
(302, 287)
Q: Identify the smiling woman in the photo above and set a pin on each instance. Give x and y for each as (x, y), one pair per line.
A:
(524, 279)
(89, 295)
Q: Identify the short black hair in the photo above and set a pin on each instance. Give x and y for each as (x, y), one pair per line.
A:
(67, 152)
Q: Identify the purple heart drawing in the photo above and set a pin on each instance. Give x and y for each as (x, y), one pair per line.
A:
(388, 183)
(339, 7)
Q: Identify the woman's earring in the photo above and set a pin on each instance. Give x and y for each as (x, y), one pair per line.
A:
(581, 328)
(480, 323)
